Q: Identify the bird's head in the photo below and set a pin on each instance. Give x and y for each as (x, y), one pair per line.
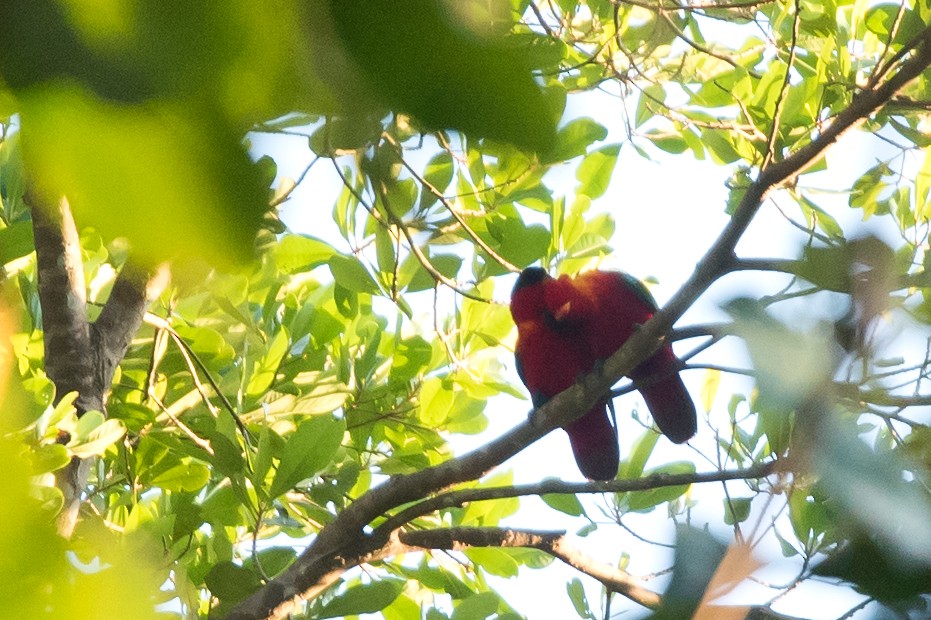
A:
(527, 296)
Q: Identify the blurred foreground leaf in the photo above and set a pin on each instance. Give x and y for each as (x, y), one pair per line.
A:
(418, 58)
(698, 554)
(174, 184)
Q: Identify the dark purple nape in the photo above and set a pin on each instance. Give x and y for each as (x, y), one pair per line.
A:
(529, 277)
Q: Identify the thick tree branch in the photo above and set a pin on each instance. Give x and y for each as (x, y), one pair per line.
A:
(320, 564)
(79, 356)
(122, 315)
(554, 543)
(69, 358)
(63, 300)
(559, 546)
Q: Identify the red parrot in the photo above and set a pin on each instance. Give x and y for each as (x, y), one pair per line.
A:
(567, 325)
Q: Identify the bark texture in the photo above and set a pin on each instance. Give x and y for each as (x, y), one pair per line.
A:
(81, 356)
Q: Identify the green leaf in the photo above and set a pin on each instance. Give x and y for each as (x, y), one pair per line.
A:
(323, 398)
(495, 561)
(360, 599)
(228, 458)
(652, 97)
(415, 278)
(639, 455)
(721, 146)
(789, 364)
(94, 440)
(15, 241)
(207, 344)
(476, 607)
(881, 19)
(643, 501)
(575, 137)
(308, 450)
(491, 93)
(863, 484)
(344, 134)
(588, 245)
(12, 175)
(923, 185)
(352, 275)
(438, 174)
(564, 502)
(531, 558)
(579, 600)
(918, 137)
(297, 253)
(736, 510)
(384, 253)
(411, 356)
(825, 221)
(594, 173)
(490, 513)
(399, 197)
(667, 141)
(263, 458)
(50, 499)
(809, 513)
(775, 423)
(788, 550)
(65, 408)
(188, 475)
(231, 583)
(404, 608)
(273, 561)
(876, 572)
(223, 507)
(263, 375)
(436, 400)
(105, 156)
(50, 457)
(134, 415)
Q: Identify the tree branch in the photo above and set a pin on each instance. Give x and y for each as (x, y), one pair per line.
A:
(63, 300)
(765, 613)
(558, 487)
(79, 356)
(111, 334)
(69, 359)
(554, 543)
(559, 546)
(323, 561)
(450, 208)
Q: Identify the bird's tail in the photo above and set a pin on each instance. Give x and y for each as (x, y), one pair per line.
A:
(594, 444)
(665, 395)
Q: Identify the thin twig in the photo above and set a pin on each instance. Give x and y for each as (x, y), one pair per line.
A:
(786, 82)
(451, 499)
(453, 211)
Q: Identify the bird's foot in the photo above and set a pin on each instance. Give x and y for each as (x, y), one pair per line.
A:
(597, 369)
(532, 417)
